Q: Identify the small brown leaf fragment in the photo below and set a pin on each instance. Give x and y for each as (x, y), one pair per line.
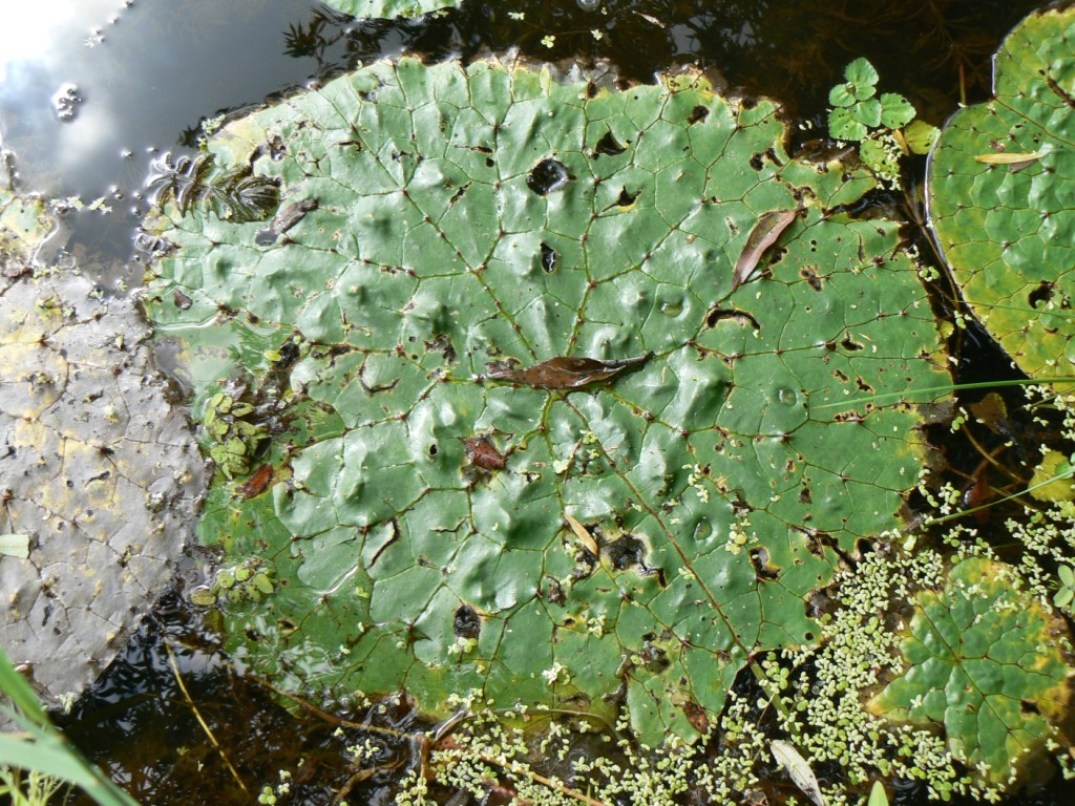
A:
(696, 715)
(292, 215)
(765, 233)
(482, 453)
(563, 372)
(256, 484)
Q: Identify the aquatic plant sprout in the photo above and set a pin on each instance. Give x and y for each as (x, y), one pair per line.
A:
(876, 123)
(987, 663)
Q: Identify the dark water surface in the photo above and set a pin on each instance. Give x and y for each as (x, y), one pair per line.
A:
(139, 77)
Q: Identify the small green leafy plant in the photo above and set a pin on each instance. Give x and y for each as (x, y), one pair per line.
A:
(881, 124)
(234, 439)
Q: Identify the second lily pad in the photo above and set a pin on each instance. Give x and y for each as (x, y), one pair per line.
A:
(1001, 199)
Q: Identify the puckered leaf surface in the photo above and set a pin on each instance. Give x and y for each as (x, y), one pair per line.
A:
(1008, 228)
(458, 220)
(987, 662)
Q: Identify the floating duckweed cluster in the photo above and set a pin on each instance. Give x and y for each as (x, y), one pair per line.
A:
(826, 687)
(858, 651)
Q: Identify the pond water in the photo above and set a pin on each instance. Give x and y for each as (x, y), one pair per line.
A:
(92, 91)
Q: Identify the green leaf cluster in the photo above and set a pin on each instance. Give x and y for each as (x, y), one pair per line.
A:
(858, 109)
(876, 122)
(233, 435)
(440, 522)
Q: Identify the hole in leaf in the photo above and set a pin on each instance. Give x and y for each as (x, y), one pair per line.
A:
(548, 176)
(627, 551)
(466, 623)
(764, 569)
(717, 315)
(627, 198)
(549, 258)
(555, 592)
(1043, 293)
(697, 115)
(811, 277)
(608, 145)
(850, 344)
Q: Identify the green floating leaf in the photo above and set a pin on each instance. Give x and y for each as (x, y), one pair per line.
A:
(390, 9)
(868, 113)
(842, 95)
(896, 111)
(986, 661)
(1007, 229)
(541, 449)
(921, 136)
(843, 125)
(861, 77)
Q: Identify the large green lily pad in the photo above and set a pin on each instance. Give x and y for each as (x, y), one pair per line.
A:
(1008, 228)
(986, 661)
(437, 522)
(389, 9)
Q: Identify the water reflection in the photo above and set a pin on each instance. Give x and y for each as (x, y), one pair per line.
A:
(136, 78)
